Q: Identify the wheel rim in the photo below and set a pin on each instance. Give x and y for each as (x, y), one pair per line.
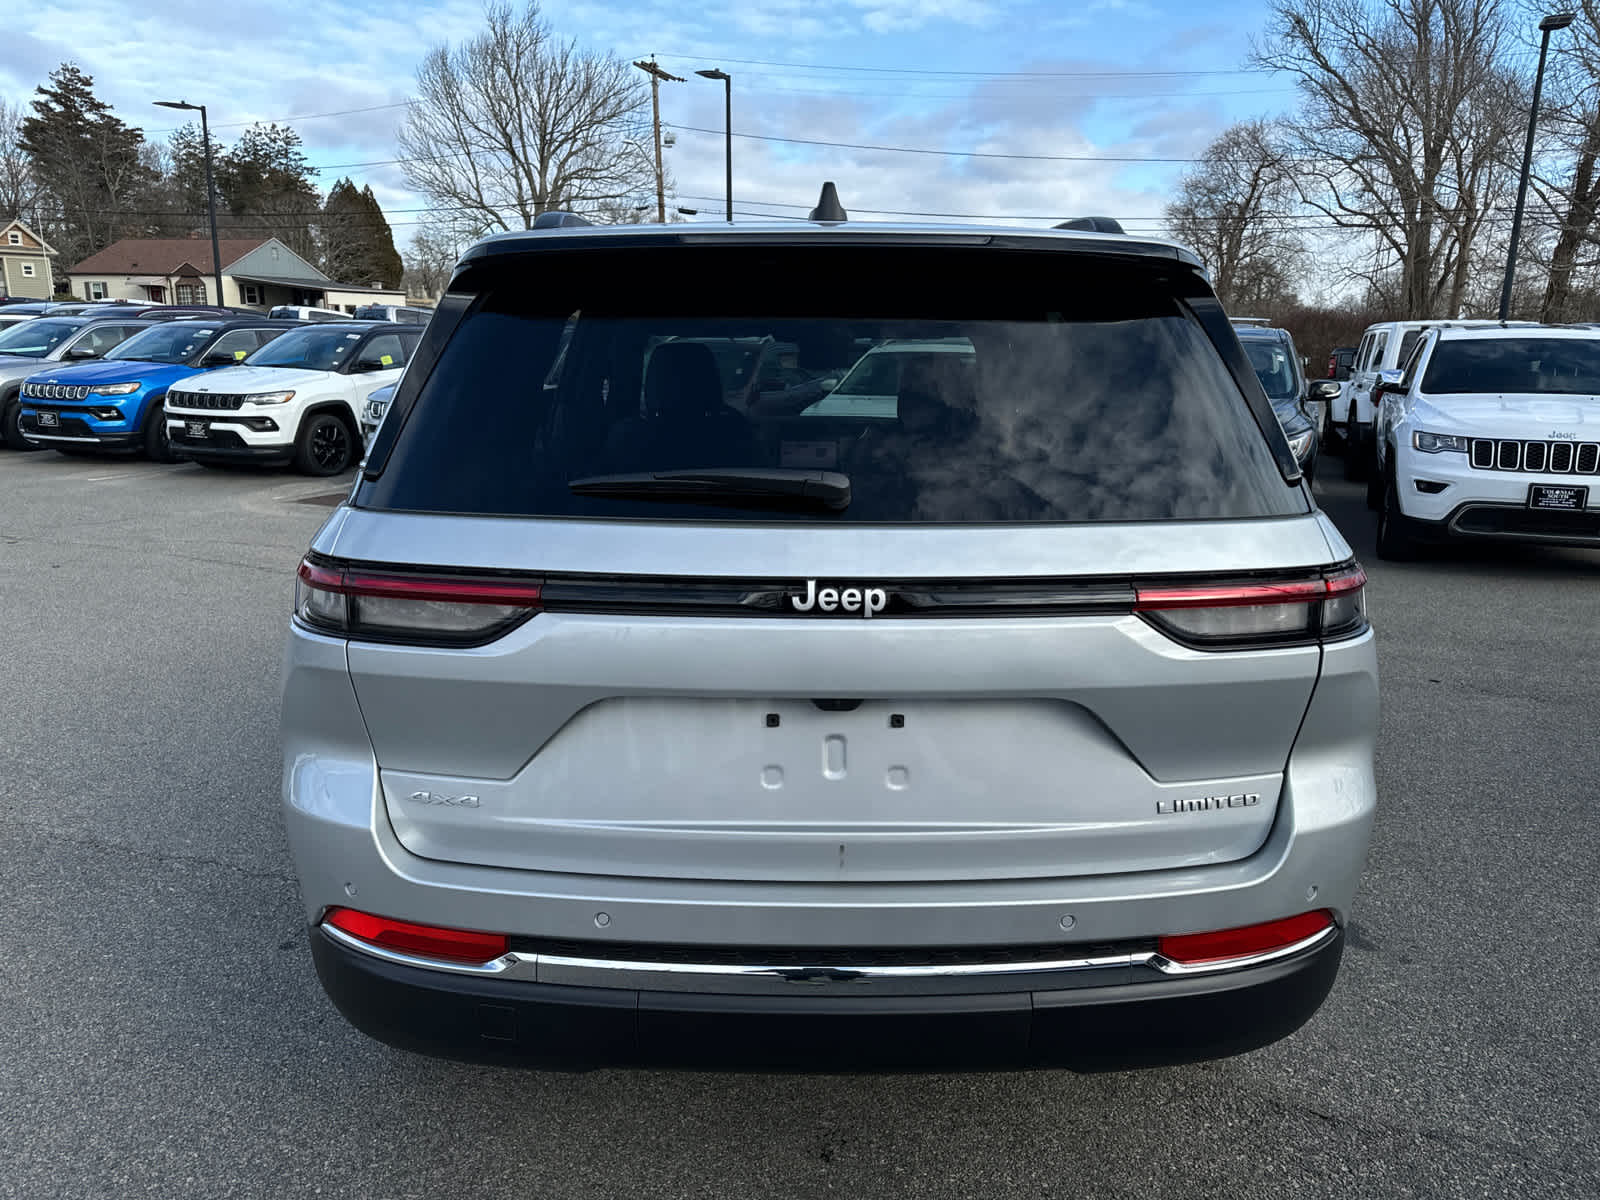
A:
(330, 445)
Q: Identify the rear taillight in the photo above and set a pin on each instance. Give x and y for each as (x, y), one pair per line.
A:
(427, 941)
(1245, 942)
(411, 606)
(1246, 614)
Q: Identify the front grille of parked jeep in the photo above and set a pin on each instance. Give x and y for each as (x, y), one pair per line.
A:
(54, 391)
(212, 401)
(1536, 458)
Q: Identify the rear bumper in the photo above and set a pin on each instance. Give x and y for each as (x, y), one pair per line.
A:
(1112, 1027)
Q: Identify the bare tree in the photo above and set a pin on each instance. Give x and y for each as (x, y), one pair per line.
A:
(19, 188)
(515, 122)
(429, 259)
(1235, 208)
(1404, 131)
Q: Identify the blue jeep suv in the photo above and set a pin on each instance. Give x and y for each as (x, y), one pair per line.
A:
(117, 403)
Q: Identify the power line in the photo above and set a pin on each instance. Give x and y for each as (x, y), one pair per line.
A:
(1108, 74)
(902, 95)
(342, 112)
(1108, 158)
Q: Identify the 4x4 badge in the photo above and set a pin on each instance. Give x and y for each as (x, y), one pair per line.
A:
(865, 601)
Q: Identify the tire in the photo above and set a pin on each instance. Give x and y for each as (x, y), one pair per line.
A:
(156, 446)
(325, 445)
(11, 425)
(1355, 449)
(1396, 542)
(1375, 486)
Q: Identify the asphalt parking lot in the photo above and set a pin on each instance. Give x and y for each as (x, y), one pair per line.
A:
(164, 1034)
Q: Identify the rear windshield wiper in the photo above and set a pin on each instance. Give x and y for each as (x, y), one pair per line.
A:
(727, 485)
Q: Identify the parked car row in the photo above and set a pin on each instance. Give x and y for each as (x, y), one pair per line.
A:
(1489, 432)
(218, 390)
(1473, 429)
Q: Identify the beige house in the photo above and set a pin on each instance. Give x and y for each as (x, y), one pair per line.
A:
(25, 263)
(258, 273)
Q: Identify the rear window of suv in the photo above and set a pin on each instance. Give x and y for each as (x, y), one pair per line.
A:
(1017, 388)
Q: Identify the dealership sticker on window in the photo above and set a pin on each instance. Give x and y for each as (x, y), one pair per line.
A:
(237, 355)
(387, 360)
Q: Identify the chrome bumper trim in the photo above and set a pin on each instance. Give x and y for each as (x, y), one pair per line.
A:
(759, 978)
(1168, 967)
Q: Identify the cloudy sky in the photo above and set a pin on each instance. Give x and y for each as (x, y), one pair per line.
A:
(1118, 79)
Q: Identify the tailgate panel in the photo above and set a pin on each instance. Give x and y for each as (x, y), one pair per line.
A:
(780, 789)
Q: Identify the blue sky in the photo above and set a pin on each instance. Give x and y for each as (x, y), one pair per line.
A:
(1092, 88)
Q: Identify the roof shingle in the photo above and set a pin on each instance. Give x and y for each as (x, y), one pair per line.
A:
(163, 256)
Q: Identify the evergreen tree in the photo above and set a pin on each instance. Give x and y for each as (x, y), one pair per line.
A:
(358, 245)
(87, 163)
(186, 178)
(267, 190)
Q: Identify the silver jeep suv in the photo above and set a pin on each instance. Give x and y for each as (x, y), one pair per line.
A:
(639, 712)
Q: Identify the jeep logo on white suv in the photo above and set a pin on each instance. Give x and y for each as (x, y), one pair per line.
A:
(865, 601)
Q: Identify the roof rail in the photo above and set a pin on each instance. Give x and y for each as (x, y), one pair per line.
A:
(1264, 322)
(559, 220)
(1092, 224)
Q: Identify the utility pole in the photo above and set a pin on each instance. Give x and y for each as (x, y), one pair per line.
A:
(656, 76)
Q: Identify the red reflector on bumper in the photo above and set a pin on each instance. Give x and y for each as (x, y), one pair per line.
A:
(1244, 942)
(429, 941)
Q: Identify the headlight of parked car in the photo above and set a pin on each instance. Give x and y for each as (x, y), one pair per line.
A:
(1433, 443)
(114, 389)
(269, 398)
(1300, 443)
(376, 409)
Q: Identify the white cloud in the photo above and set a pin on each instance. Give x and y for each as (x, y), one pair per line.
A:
(357, 54)
(893, 16)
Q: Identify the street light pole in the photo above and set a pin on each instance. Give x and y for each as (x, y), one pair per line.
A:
(1552, 22)
(727, 127)
(211, 192)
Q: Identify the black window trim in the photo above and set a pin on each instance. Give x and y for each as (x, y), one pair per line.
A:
(454, 307)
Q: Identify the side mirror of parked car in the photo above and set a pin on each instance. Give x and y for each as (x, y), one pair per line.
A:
(223, 359)
(1388, 382)
(79, 352)
(1323, 391)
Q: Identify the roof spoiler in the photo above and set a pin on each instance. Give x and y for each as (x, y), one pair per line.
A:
(1092, 224)
(558, 220)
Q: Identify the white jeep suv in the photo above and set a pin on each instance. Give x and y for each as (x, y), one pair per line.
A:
(298, 399)
(1490, 433)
